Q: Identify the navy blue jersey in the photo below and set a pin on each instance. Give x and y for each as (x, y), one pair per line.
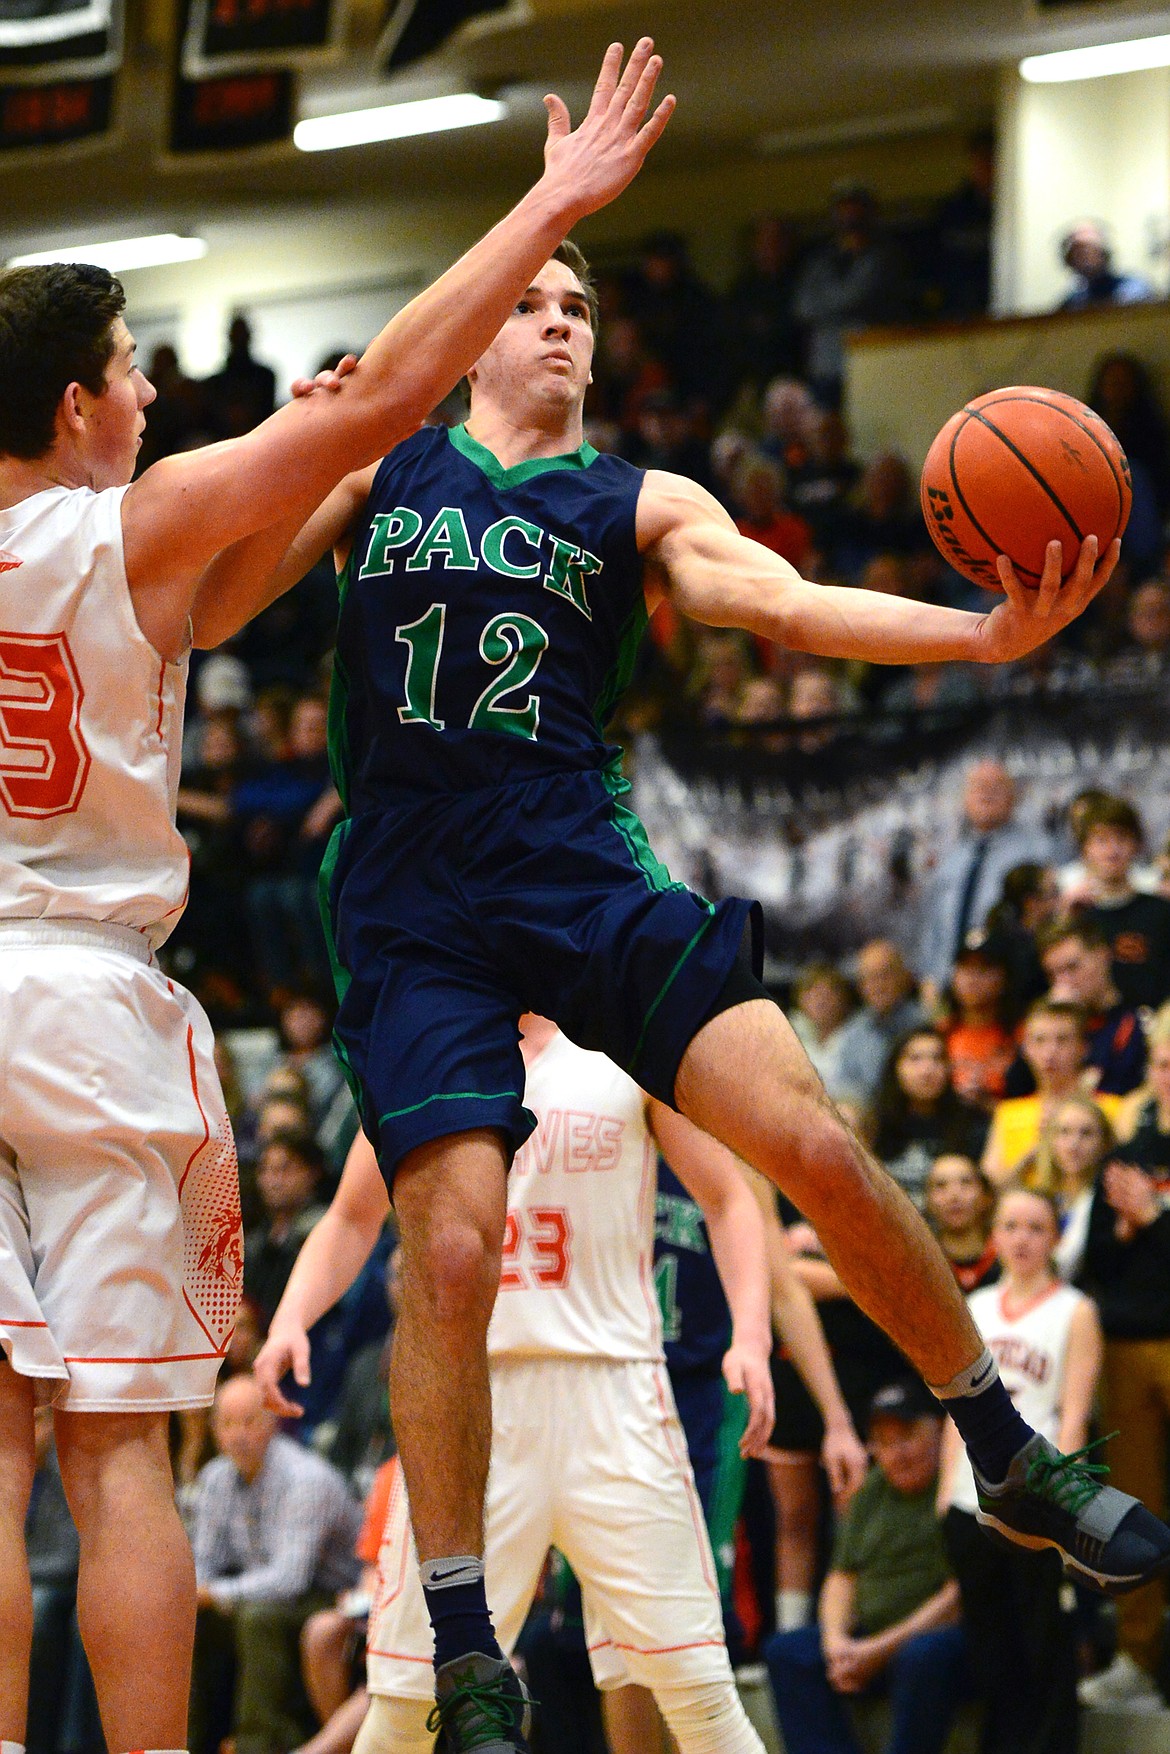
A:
(696, 1322)
(489, 620)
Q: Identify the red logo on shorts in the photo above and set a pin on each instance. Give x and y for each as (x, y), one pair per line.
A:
(222, 1257)
(8, 561)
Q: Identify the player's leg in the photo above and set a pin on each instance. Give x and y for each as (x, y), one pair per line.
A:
(518, 1533)
(450, 1198)
(136, 1584)
(633, 1723)
(17, 1466)
(781, 1121)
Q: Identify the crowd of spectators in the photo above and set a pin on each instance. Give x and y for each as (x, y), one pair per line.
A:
(1020, 1040)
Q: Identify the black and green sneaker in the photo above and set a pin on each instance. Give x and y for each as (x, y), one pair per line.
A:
(1107, 1539)
(481, 1703)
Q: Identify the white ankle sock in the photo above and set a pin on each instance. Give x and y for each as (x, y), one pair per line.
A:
(793, 1610)
(11, 1748)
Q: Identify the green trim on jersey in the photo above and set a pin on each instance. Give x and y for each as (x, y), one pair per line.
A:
(727, 1489)
(620, 675)
(341, 974)
(446, 1096)
(502, 478)
(671, 977)
(338, 723)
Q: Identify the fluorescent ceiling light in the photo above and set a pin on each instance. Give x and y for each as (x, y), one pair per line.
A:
(1096, 62)
(124, 254)
(428, 115)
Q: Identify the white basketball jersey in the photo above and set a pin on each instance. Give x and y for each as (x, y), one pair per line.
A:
(1030, 1351)
(90, 726)
(578, 1274)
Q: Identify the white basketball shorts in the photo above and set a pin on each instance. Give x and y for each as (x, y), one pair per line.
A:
(121, 1253)
(587, 1456)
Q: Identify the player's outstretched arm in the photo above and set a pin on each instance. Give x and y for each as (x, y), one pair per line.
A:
(713, 1177)
(331, 1257)
(714, 575)
(186, 508)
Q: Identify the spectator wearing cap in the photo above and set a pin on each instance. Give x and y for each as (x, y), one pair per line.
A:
(1047, 1341)
(1077, 959)
(969, 876)
(1085, 249)
(1137, 926)
(889, 1608)
(853, 280)
(890, 1008)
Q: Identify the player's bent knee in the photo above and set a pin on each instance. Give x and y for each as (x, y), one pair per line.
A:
(460, 1266)
(707, 1717)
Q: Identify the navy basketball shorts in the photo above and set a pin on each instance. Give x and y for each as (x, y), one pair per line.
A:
(450, 916)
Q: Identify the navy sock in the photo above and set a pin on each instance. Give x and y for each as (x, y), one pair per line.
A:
(457, 1605)
(987, 1420)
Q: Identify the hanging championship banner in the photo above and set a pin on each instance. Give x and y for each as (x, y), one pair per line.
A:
(54, 115)
(241, 36)
(75, 38)
(231, 114)
(415, 28)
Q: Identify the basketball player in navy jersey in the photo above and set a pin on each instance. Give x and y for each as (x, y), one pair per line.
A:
(494, 582)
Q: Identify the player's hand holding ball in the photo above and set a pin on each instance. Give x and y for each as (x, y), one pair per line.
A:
(1027, 491)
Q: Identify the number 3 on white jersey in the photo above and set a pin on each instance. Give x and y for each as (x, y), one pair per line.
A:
(44, 760)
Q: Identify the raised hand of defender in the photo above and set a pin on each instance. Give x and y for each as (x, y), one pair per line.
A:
(285, 1350)
(1027, 618)
(592, 164)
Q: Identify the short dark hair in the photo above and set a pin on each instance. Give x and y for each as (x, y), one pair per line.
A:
(298, 1144)
(55, 330)
(1109, 812)
(574, 258)
(1087, 933)
(1058, 1008)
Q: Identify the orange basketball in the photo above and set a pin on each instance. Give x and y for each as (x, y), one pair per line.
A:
(1016, 468)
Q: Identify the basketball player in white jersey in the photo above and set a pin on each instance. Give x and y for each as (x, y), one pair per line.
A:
(587, 1451)
(120, 1252)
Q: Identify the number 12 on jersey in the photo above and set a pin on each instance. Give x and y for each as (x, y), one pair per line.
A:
(511, 639)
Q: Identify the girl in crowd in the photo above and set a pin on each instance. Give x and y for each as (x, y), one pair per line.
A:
(1047, 1341)
(1074, 1150)
(980, 1045)
(959, 1199)
(919, 1114)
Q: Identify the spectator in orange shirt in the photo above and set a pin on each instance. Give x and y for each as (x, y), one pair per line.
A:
(764, 515)
(980, 1045)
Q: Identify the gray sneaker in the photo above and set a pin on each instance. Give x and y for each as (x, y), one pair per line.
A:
(1107, 1539)
(480, 1703)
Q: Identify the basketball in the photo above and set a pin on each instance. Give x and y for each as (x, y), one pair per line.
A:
(1015, 469)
